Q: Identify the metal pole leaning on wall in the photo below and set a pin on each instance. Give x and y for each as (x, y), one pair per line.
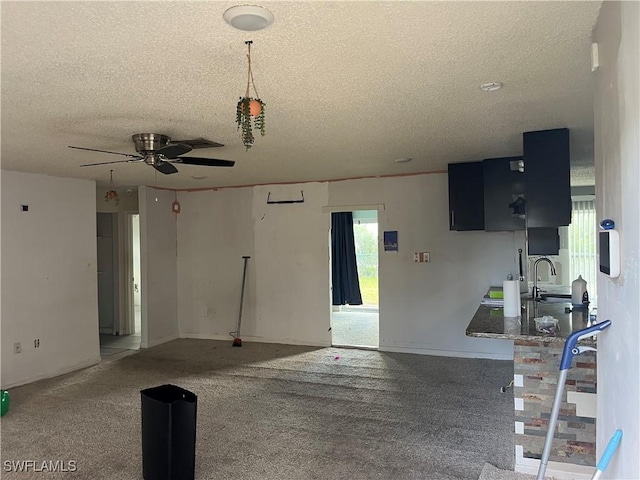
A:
(237, 341)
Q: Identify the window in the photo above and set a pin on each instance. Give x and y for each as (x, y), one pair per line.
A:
(582, 243)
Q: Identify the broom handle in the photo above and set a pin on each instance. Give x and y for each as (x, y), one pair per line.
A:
(612, 446)
(244, 277)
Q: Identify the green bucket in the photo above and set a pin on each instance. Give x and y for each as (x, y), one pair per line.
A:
(4, 402)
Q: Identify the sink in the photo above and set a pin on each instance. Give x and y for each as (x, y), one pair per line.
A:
(555, 298)
(551, 298)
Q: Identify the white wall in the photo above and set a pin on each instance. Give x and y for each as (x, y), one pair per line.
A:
(215, 229)
(292, 264)
(287, 289)
(49, 276)
(617, 153)
(158, 267)
(426, 307)
(423, 307)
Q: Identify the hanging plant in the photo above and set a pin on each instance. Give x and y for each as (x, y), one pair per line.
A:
(248, 121)
(250, 111)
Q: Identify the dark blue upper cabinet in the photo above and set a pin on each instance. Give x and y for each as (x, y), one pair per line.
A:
(548, 189)
(466, 196)
(504, 194)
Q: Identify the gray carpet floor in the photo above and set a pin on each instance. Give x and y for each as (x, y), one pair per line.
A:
(355, 327)
(490, 472)
(268, 411)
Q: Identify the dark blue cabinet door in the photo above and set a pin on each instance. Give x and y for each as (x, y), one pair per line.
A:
(504, 199)
(466, 196)
(548, 189)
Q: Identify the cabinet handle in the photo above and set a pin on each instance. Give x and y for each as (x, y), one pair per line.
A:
(453, 218)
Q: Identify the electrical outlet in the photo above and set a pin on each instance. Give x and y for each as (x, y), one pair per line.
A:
(36, 343)
(17, 347)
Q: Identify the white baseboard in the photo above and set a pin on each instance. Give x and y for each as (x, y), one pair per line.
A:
(399, 349)
(445, 353)
(555, 470)
(159, 341)
(206, 336)
(285, 341)
(89, 362)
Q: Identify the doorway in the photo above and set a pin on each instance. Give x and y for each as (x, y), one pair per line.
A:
(119, 300)
(134, 299)
(355, 319)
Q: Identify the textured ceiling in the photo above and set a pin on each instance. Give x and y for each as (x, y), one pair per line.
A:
(349, 86)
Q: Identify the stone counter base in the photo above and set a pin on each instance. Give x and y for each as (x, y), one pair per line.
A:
(536, 365)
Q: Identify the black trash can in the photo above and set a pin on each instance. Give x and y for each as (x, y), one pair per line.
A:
(168, 433)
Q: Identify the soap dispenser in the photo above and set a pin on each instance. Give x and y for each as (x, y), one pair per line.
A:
(578, 290)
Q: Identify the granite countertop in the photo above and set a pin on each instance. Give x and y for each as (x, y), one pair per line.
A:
(489, 322)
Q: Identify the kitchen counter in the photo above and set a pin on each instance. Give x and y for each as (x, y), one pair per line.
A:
(489, 321)
(536, 362)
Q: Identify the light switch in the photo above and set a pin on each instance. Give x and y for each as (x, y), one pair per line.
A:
(421, 257)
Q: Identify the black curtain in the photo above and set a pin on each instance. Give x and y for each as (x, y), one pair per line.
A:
(344, 270)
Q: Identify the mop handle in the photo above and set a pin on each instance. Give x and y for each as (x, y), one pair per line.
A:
(612, 446)
(570, 348)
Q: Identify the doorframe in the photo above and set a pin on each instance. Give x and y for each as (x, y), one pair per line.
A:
(379, 207)
(127, 323)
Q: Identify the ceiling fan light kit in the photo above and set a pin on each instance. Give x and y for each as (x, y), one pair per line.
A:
(111, 194)
(248, 18)
(250, 111)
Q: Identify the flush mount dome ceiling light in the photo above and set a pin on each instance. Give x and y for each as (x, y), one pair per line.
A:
(402, 160)
(248, 17)
(491, 86)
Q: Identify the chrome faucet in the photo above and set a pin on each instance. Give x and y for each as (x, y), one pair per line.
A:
(536, 291)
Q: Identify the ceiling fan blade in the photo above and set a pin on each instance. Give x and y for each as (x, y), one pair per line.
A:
(199, 143)
(206, 162)
(107, 151)
(174, 150)
(164, 167)
(107, 163)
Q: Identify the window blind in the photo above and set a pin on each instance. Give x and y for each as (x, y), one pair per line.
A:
(582, 243)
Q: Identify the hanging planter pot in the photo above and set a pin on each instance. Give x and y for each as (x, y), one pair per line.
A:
(250, 116)
(250, 111)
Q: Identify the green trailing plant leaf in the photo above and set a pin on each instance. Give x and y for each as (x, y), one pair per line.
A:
(246, 123)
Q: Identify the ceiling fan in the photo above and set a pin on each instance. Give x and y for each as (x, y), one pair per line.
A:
(161, 153)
